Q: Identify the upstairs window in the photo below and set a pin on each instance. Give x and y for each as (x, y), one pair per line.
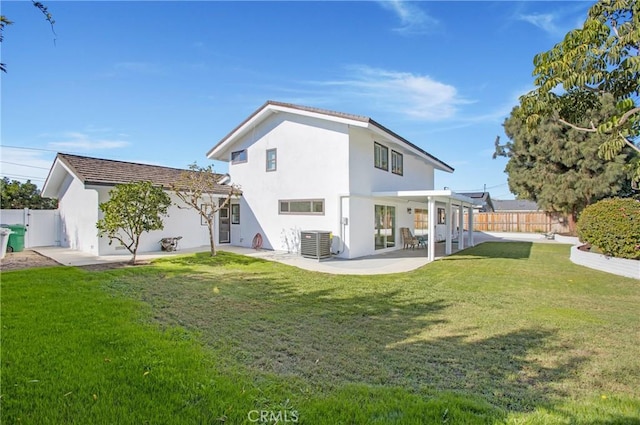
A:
(272, 159)
(380, 156)
(238, 157)
(396, 163)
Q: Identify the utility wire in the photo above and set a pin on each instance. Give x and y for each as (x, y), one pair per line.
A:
(24, 165)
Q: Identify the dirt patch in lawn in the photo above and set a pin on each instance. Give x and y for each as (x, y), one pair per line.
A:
(26, 259)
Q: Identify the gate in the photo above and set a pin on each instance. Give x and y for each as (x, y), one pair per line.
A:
(43, 226)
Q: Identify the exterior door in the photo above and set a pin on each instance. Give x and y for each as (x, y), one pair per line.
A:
(224, 225)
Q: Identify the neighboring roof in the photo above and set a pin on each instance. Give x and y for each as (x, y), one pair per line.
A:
(107, 172)
(484, 199)
(515, 205)
(363, 121)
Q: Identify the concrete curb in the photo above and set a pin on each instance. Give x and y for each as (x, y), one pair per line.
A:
(617, 266)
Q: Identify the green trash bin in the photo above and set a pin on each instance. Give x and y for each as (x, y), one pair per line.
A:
(16, 238)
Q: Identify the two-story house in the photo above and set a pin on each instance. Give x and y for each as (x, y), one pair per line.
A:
(303, 168)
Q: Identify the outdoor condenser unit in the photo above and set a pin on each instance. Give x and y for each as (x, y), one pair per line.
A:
(315, 244)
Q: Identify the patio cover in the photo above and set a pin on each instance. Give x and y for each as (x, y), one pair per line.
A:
(448, 197)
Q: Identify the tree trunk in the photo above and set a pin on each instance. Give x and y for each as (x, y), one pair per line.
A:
(212, 240)
(572, 223)
(134, 251)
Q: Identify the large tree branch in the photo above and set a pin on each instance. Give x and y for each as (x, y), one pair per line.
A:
(629, 142)
(593, 129)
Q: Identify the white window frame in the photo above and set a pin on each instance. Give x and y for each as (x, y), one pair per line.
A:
(272, 164)
(284, 206)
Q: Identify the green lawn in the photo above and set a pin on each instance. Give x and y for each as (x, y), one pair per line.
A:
(500, 333)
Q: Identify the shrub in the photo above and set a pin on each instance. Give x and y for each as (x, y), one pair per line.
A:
(612, 225)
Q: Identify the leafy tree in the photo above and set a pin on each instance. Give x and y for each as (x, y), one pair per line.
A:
(133, 208)
(4, 21)
(17, 195)
(201, 189)
(558, 166)
(601, 57)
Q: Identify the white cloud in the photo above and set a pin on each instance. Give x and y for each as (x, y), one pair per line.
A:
(413, 20)
(544, 21)
(413, 95)
(74, 141)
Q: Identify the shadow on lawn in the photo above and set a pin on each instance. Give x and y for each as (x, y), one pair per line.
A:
(352, 330)
(508, 250)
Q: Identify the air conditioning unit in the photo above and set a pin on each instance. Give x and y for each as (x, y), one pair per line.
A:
(315, 244)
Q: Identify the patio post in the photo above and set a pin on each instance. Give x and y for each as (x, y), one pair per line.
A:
(431, 255)
(461, 226)
(448, 219)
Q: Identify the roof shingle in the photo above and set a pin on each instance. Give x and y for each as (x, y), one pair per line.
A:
(107, 172)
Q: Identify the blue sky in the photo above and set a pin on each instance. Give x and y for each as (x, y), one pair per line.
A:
(162, 82)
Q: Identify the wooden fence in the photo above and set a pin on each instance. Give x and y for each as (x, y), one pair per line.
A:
(527, 222)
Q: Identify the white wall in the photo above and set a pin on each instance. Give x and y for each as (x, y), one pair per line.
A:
(78, 215)
(319, 159)
(179, 222)
(365, 178)
(312, 163)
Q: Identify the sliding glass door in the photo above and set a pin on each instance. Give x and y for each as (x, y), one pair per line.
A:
(385, 226)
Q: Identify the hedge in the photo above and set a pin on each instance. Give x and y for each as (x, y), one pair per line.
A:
(613, 226)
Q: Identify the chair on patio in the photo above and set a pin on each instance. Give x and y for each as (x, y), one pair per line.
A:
(408, 239)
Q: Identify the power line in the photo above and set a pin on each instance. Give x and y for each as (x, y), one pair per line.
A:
(24, 177)
(23, 165)
(28, 149)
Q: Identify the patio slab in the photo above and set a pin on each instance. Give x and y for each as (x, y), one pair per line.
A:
(398, 261)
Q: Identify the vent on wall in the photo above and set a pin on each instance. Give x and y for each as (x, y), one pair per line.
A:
(315, 244)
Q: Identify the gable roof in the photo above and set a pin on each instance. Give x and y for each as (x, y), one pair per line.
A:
(484, 200)
(108, 172)
(515, 205)
(356, 120)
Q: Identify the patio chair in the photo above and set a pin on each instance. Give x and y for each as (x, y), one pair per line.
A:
(408, 239)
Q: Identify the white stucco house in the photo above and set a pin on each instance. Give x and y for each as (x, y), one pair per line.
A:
(82, 183)
(299, 169)
(303, 168)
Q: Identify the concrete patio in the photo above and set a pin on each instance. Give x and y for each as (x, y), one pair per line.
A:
(397, 261)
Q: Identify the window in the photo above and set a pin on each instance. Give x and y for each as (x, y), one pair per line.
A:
(235, 213)
(238, 157)
(380, 156)
(272, 159)
(396, 162)
(384, 226)
(441, 216)
(302, 206)
(421, 222)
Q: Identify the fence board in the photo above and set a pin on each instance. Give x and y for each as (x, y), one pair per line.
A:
(528, 222)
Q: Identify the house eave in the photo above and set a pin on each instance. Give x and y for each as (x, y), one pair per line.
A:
(424, 195)
(219, 151)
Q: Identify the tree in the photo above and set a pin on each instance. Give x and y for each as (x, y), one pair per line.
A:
(4, 21)
(132, 209)
(201, 189)
(17, 195)
(601, 57)
(558, 166)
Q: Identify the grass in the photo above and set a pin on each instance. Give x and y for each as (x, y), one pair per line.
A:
(500, 333)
